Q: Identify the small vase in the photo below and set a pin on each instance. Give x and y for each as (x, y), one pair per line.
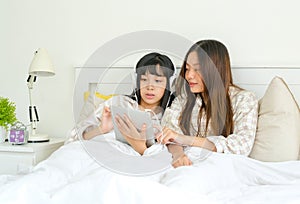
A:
(2, 134)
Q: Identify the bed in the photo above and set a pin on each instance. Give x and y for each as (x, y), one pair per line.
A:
(90, 171)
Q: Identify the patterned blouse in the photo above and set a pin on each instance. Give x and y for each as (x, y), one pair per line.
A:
(245, 113)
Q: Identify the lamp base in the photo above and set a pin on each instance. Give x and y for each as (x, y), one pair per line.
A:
(37, 138)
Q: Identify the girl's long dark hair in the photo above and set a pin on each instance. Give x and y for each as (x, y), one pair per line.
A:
(148, 63)
(216, 74)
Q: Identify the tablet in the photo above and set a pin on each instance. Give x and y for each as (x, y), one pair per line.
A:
(138, 118)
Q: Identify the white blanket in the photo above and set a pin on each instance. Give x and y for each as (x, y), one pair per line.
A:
(74, 175)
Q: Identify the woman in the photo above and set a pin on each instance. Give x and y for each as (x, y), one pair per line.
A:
(153, 72)
(210, 111)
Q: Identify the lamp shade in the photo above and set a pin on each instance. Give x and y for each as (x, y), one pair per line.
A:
(41, 64)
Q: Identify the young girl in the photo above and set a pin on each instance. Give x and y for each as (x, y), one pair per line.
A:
(210, 111)
(153, 72)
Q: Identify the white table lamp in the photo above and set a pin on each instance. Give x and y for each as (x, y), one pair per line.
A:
(40, 66)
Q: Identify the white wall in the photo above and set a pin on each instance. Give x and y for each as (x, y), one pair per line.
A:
(257, 33)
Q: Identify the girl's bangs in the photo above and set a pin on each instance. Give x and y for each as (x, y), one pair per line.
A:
(154, 70)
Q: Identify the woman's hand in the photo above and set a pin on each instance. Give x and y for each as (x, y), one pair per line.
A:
(178, 155)
(174, 142)
(168, 136)
(106, 121)
(181, 160)
(136, 138)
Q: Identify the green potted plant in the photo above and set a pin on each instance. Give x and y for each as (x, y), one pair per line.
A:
(7, 116)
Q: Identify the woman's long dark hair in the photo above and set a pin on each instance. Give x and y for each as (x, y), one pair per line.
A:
(216, 74)
(148, 63)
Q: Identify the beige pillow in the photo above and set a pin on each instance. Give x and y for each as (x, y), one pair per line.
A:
(278, 128)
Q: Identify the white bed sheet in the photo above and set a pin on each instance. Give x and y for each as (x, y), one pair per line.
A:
(71, 175)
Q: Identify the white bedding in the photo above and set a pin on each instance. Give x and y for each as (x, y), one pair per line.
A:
(71, 175)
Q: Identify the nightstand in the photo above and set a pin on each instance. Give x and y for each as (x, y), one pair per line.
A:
(21, 158)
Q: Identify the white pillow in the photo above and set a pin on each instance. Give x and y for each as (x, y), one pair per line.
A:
(91, 102)
(278, 128)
